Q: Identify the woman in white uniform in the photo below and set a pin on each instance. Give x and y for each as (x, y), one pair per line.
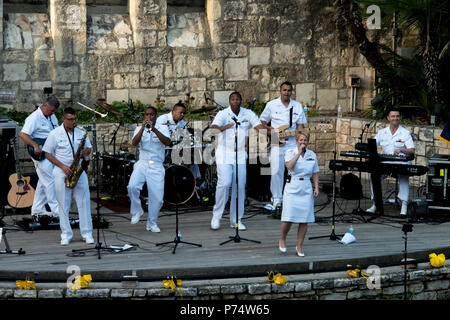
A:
(298, 196)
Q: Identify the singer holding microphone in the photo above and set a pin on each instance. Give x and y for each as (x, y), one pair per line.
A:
(224, 126)
(299, 194)
(151, 139)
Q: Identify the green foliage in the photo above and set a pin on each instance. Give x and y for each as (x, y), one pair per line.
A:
(416, 81)
(258, 106)
(17, 116)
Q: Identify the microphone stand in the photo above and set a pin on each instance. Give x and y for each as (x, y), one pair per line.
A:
(98, 246)
(333, 235)
(358, 210)
(237, 238)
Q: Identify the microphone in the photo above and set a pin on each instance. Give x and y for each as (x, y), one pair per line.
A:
(303, 149)
(206, 98)
(236, 120)
(252, 104)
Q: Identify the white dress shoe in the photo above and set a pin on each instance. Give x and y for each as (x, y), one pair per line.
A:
(135, 218)
(153, 228)
(215, 223)
(241, 226)
(300, 254)
(372, 209)
(65, 242)
(89, 240)
(283, 250)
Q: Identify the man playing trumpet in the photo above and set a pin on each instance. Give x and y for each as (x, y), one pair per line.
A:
(64, 147)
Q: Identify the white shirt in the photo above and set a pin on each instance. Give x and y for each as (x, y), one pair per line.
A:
(225, 151)
(173, 127)
(278, 115)
(39, 126)
(305, 166)
(389, 142)
(59, 145)
(150, 147)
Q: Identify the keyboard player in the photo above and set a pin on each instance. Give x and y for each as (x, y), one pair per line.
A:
(396, 140)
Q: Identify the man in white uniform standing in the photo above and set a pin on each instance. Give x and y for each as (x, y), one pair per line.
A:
(38, 126)
(61, 147)
(396, 140)
(279, 112)
(151, 139)
(225, 124)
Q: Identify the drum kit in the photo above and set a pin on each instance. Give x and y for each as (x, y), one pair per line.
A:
(188, 179)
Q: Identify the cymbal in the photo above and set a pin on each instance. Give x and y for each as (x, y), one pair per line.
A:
(203, 109)
(102, 103)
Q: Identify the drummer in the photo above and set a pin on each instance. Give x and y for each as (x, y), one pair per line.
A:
(151, 138)
(178, 131)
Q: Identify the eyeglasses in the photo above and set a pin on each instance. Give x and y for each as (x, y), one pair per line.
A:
(71, 119)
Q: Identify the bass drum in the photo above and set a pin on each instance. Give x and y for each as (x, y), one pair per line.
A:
(179, 184)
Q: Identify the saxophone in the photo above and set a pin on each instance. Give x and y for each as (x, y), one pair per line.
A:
(77, 170)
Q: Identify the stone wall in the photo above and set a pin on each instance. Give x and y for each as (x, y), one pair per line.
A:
(89, 49)
(423, 284)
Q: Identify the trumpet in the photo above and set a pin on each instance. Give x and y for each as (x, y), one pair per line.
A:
(149, 126)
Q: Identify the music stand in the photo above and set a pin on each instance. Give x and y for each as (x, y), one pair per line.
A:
(98, 245)
(175, 197)
(236, 237)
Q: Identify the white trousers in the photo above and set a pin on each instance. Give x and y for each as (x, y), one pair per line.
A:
(45, 189)
(226, 178)
(82, 198)
(153, 175)
(403, 187)
(277, 168)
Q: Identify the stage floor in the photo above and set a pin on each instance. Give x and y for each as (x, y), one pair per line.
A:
(379, 240)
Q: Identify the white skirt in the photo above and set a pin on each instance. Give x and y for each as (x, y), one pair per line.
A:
(298, 201)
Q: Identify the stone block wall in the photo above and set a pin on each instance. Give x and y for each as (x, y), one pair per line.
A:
(423, 284)
(143, 49)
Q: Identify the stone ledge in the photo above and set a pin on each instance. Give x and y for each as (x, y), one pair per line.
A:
(422, 284)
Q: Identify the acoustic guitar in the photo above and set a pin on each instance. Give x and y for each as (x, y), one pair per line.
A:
(21, 194)
(281, 134)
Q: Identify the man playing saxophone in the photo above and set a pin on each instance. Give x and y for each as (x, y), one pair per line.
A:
(64, 147)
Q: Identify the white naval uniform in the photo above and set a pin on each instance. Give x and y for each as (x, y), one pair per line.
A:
(389, 142)
(226, 160)
(278, 115)
(39, 126)
(178, 131)
(148, 169)
(59, 145)
(298, 197)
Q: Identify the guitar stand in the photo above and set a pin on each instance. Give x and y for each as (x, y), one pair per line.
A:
(3, 237)
(8, 248)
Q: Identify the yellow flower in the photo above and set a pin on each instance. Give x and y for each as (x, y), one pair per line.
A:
(437, 261)
(172, 284)
(82, 282)
(277, 278)
(26, 284)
